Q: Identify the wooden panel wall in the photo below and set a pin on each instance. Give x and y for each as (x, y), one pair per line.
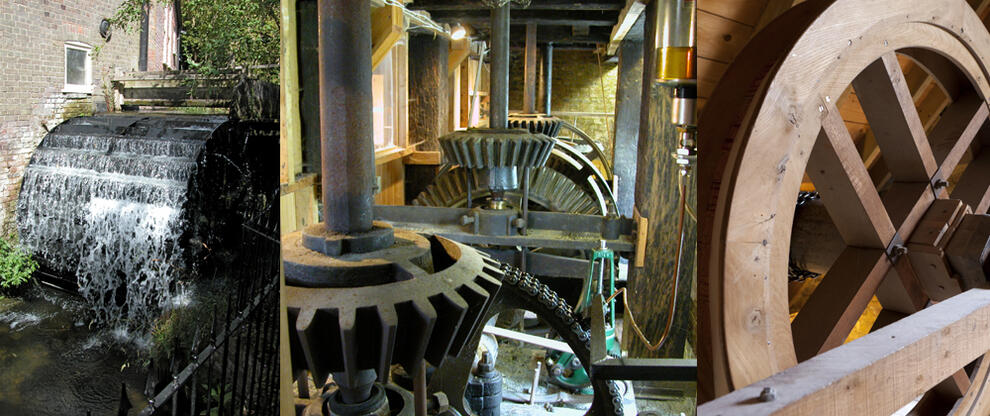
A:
(724, 27)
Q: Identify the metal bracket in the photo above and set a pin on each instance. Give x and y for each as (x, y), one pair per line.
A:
(896, 248)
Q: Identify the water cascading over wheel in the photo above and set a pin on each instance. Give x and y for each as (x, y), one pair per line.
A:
(899, 208)
(124, 206)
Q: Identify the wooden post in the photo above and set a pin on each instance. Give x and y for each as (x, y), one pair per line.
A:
(656, 199)
(628, 100)
(529, 90)
(428, 103)
(428, 89)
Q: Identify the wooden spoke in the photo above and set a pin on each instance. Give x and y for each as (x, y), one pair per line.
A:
(833, 308)
(955, 131)
(837, 170)
(974, 184)
(889, 107)
(955, 386)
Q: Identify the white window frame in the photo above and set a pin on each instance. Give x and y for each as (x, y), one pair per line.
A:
(77, 88)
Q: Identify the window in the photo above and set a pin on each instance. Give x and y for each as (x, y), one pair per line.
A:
(389, 96)
(78, 68)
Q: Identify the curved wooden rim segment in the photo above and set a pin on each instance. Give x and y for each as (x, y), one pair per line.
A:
(760, 129)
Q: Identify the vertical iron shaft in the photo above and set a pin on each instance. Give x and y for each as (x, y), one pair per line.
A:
(548, 74)
(499, 117)
(346, 135)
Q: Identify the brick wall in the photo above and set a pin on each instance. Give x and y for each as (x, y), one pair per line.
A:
(161, 38)
(32, 71)
(576, 88)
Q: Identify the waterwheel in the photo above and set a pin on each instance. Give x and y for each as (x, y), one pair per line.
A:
(777, 125)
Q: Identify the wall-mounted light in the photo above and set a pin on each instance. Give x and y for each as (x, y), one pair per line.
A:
(458, 32)
(105, 30)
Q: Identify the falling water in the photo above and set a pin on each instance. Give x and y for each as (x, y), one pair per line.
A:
(104, 201)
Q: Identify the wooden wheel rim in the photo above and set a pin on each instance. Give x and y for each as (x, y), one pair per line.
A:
(761, 150)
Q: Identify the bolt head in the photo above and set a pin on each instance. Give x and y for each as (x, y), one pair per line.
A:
(768, 394)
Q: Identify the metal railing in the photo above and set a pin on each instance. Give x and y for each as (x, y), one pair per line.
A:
(233, 368)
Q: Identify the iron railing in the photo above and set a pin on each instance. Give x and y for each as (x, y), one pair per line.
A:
(233, 368)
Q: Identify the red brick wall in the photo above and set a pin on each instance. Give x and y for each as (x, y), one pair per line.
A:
(161, 38)
(32, 71)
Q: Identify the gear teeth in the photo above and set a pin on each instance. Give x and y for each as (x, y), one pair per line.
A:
(536, 123)
(352, 355)
(490, 148)
(477, 300)
(319, 327)
(450, 309)
(547, 187)
(416, 321)
(389, 322)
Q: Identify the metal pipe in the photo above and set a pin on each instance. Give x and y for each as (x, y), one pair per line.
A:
(143, 40)
(499, 115)
(179, 62)
(548, 76)
(346, 134)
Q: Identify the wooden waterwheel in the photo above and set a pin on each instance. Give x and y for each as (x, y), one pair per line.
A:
(896, 197)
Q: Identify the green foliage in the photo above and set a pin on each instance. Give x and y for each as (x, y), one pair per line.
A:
(16, 265)
(215, 398)
(220, 35)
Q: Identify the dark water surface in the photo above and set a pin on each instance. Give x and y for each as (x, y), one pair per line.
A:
(52, 363)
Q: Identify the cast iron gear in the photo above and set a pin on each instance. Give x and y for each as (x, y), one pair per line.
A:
(568, 182)
(536, 123)
(424, 294)
(548, 189)
(496, 148)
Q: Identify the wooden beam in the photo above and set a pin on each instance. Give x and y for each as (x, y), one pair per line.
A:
(830, 313)
(839, 175)
(423, 158)
(529, 71)
(627, 19)
(889, 107)
(878, 373)
(386, 29)
(459, 50)
(628, 102)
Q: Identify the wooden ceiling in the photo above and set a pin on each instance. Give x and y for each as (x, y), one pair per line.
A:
(579, 23)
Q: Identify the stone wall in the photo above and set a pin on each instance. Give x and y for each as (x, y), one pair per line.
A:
(32, 73)
(576, 89)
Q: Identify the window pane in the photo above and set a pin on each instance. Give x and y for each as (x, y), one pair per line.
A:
(383, 103)
(75, 66)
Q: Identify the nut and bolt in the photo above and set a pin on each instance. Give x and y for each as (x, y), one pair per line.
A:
(768, 394)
